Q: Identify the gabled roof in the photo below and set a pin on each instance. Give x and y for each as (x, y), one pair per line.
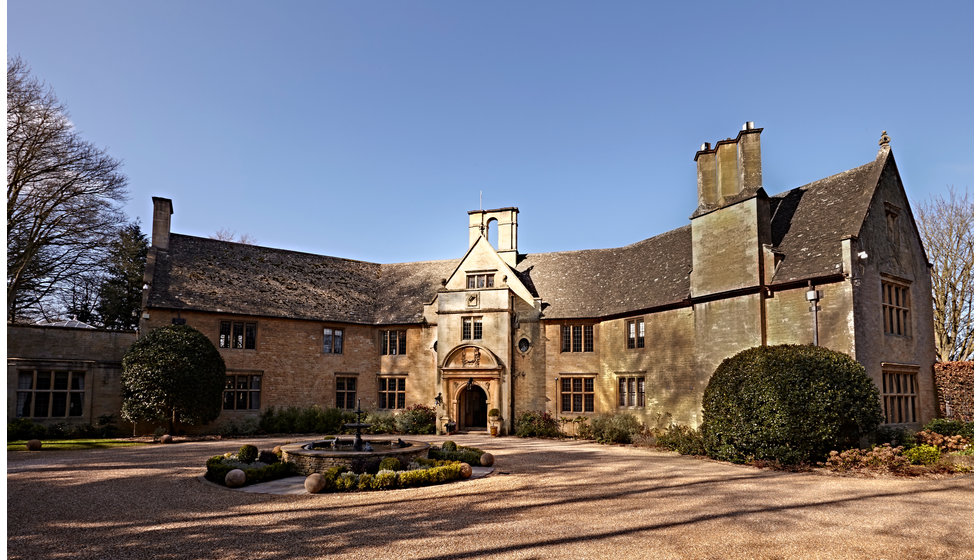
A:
(808, 223)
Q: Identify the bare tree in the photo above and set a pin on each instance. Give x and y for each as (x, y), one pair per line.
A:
(225, 234)
(63, 197)
(946, 226)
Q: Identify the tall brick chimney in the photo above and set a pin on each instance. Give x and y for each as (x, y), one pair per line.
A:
(163, 208)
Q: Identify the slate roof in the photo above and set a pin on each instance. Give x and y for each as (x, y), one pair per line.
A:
(205, 274)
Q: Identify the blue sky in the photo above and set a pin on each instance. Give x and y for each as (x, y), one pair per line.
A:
(367, 130)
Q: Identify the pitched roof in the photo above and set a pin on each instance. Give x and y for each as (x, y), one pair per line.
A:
(808, 223)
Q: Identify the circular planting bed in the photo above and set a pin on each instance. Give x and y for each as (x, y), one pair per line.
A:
(320, 458)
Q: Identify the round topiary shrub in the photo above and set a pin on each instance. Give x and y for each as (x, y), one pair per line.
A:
(789, 403)
(34, 445)
(248, 453)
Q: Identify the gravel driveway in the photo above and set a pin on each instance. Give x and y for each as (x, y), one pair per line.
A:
(547, 499)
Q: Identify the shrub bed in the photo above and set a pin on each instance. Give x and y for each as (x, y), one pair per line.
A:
(255, 471)
(612, 428)
(451, 452)
(537, 424)
(341, 479)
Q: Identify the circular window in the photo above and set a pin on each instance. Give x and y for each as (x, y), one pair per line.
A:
(523, 345)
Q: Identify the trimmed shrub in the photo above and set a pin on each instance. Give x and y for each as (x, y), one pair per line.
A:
(248, 453)
(949, 427)
(390, 464)
(789, 403)
(537, 424)
(612, 428)
(417, 419)
(219, 466)
(469, 455)
(923, 454)
(268, 457)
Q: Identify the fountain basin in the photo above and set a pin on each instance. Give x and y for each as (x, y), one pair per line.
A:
(313, 457)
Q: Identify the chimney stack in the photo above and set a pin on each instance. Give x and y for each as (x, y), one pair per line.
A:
(732, 171)
(163, 208)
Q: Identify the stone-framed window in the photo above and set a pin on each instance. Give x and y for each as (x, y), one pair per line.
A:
(632, 392)
(391, 392)
(333, 340)
(477, 281)
(892, 212)
(577, 393)
(472, 328)
(577, 338)
(899, 390)
(237, 335)
(346, 391)
(50, 394)
(896, 305)
(635, 333)
(242, 392)
(392, 342)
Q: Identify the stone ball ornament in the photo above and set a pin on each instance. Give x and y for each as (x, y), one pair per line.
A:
(466, 470)
(315, 483)
(235, 478)
(486, 459)
(34, 445)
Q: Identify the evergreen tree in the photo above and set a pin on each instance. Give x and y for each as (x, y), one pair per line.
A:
(121, 292)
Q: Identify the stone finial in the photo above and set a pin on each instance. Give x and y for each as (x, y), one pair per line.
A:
(884, 141)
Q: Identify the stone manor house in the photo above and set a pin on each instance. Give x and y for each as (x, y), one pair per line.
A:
(837, 262)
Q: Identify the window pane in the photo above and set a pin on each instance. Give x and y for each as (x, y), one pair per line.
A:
(78, 381)
(241, 400)
(41, 404)
(587, 347)
(238, 335)
(401, 384)
(61, 381)
(338, 341)
(256, 382)
(566, 338)
(241, 382)
(43, 380)
(577, 384)
(576, 402)
(401, 400)
(229, 400)
(24, 404)
(641, 337)
(224, 339)
(577, 338)
(589, 383)
(253, 400)
(477, 328)
(25, 380)
(467, 329)
(566, 402)
(59, 402)
(250, 336)
(481, 281)
(402, 336)
(471, 282)
(589, 402)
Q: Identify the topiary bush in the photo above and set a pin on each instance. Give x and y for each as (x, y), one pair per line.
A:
(537, 424)
(790, 404)
(612, 428)
(248, 453)
(452, 452)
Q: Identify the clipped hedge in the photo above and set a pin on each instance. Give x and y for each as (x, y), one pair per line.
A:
(789, 403)
(219, 466)
(452, 452)
(340, 479)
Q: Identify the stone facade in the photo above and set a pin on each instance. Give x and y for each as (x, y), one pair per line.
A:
(95, 356)
(638, 329)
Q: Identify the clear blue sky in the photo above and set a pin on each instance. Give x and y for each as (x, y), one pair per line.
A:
(367, 130)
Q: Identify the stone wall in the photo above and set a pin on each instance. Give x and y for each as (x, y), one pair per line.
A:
(97, 353)
(954, 385)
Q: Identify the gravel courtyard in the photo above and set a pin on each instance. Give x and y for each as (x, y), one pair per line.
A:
(547, 499)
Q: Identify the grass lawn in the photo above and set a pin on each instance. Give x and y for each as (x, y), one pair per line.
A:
(21, 445)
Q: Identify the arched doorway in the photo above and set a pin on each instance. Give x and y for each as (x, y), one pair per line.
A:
(473, 408)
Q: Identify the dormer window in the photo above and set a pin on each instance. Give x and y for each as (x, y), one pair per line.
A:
(476, 281)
